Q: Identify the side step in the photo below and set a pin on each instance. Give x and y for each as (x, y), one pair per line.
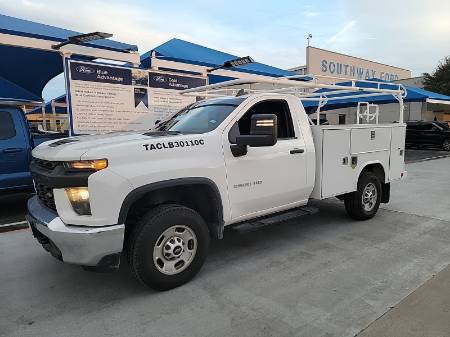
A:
(255, 224)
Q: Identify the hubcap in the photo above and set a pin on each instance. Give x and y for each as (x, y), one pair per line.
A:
(175, 249)
(369, 197)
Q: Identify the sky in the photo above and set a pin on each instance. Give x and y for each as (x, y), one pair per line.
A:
(410, 34)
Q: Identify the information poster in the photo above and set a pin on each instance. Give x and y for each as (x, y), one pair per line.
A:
(106, 98)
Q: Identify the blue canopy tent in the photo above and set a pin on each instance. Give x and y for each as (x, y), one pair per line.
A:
(30, 68)
(413, 94)
(11, 92)
(187, 52)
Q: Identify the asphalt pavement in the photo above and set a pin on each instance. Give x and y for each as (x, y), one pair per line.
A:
(320, 275)
(416, 155)
(12, 211)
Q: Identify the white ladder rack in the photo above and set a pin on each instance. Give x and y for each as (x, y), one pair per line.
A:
(305, 90)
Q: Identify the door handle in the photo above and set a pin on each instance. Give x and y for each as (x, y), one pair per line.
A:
(295, 151)
(12, 150)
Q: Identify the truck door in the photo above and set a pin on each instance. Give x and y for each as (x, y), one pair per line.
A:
(14, 150)
(267, 178)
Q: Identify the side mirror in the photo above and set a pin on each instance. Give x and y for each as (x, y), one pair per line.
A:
(263, 131)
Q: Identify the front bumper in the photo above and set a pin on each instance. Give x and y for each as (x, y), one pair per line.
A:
(86, 246)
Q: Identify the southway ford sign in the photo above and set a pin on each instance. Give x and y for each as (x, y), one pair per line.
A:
(324, 62)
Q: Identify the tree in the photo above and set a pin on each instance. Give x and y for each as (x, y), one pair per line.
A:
(439, 80)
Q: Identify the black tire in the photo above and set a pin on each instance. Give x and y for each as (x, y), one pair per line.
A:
(446, 145)
(354, 204)
(142, 241)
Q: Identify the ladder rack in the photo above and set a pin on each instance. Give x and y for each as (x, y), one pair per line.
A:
(304, 90)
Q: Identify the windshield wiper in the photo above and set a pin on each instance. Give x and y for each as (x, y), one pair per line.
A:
(162, 133)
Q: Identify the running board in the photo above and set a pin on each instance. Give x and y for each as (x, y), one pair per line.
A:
(255, 224)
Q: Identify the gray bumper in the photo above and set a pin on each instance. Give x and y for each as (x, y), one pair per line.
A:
(87, 246)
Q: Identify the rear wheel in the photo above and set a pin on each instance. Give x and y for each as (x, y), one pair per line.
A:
(168, 247)
(446, 145)
(363, 204)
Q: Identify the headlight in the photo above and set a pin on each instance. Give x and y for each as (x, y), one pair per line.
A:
(87, 165)
(79, 199)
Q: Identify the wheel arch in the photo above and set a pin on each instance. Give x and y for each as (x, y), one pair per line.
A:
(376, 167)
(200, 194)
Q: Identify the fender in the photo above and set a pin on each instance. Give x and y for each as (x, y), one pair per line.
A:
(133, 196)
(372, 162)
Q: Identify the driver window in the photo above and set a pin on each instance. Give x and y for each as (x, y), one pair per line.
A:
(280, 108)
(427, 127)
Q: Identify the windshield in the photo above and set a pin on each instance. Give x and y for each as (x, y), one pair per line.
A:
(197, 118)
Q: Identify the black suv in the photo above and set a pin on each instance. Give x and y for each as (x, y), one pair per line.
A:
(420, 133)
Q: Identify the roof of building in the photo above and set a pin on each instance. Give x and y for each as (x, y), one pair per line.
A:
(191, 53)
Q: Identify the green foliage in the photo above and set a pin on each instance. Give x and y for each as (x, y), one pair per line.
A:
(439, 80)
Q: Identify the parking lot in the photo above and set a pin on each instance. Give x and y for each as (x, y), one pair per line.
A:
(320, 275)
(416, 155)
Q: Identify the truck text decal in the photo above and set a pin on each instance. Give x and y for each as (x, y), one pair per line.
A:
(248, 184)
(174, 144)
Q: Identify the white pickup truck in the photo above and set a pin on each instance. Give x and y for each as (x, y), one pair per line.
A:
(159, 196)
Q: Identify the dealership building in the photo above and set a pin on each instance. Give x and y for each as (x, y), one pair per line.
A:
(332, 67)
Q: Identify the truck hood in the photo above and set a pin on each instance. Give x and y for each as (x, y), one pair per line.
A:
(72, 148)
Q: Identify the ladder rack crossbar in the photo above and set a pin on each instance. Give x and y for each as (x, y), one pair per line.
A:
(288, 84)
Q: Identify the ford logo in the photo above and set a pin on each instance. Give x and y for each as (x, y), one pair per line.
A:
(85, 70)
(160, 79)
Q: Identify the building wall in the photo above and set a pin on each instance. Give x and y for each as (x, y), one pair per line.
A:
(415, 111)
(428, 115)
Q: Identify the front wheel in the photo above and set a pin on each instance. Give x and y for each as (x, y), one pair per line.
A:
(363, 204)
(168, 247)
(446, 145)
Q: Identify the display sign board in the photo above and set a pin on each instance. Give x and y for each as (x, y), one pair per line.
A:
(105, 98)
(328, 63)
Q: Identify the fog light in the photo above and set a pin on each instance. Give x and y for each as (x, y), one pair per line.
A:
(79, 199)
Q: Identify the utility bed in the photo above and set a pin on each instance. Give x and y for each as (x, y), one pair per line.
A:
(340, 148)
